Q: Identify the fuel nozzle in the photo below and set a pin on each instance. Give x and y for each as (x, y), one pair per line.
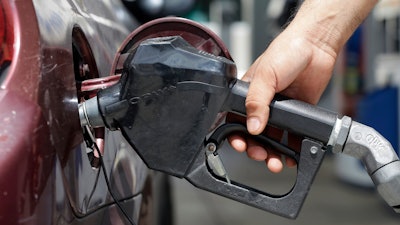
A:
(168, 89)
(167, 102)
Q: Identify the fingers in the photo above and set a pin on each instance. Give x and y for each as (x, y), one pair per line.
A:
(274, 162)
(238, 142)
(291, 163)
(256, 152)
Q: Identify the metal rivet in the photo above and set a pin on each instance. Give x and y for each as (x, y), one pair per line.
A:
(211, 147)
(314, 150)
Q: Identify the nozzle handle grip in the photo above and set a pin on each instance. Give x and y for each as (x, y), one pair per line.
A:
(289, 114)
(287, 205)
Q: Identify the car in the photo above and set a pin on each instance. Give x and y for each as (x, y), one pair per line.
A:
(50, 171)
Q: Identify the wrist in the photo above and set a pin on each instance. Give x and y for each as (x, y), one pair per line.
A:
(329, 24)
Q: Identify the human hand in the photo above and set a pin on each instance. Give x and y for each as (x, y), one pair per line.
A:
(298, 64)
(292, 66)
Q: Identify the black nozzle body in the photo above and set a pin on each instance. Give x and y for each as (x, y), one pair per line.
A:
(168, 98)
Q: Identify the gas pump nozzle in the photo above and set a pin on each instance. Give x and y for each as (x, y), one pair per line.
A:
(166, 105)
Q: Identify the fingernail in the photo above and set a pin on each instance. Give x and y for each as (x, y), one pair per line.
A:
(253, 124)
(275, 165)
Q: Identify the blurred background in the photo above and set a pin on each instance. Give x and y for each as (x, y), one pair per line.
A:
(364, 86)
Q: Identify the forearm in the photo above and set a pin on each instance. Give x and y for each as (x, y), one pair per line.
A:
(328, 24)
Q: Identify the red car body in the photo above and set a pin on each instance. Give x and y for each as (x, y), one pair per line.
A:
(48, 48)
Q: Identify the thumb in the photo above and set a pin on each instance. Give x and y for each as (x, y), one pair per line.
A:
(273, 72)
(270, 74)
(261, 92)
